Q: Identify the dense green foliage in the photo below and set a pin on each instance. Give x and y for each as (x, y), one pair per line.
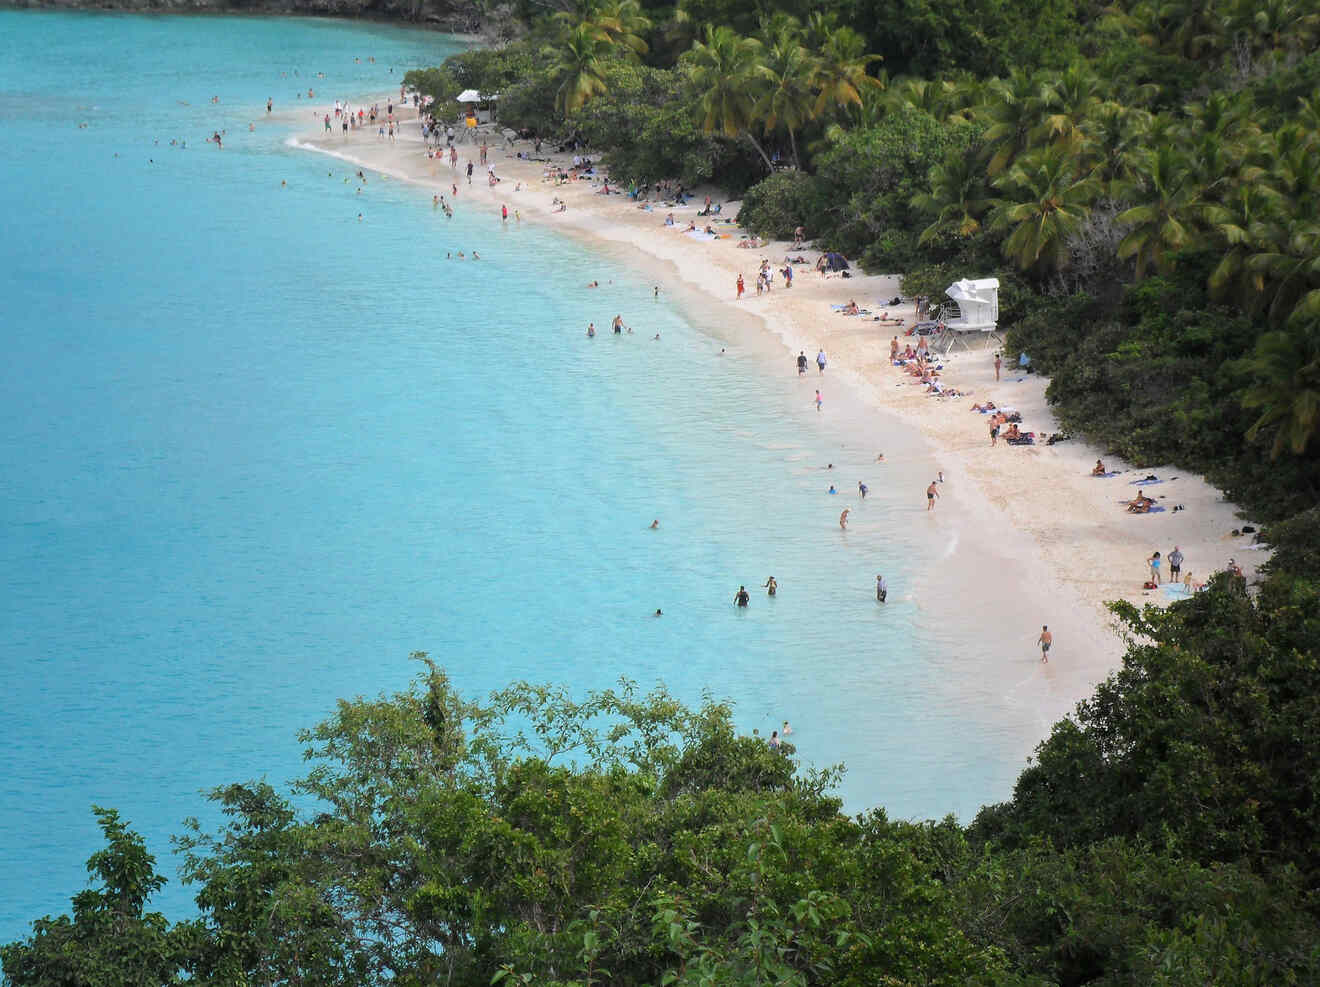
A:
(1166, 835)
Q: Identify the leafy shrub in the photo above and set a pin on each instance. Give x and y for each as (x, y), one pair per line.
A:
(780, 203)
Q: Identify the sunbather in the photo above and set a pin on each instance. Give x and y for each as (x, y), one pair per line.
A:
(1141, 504)
(850, 308)
(988, 406)
(1099, 469)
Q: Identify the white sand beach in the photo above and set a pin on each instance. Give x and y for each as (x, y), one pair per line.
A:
(1040, 519)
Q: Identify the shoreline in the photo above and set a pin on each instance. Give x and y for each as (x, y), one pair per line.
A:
(1032, 516)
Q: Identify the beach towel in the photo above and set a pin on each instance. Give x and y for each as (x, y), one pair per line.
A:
(1105, 476)
(1143, 483)
(1155, 509)
(701, 235)
(1176, 590)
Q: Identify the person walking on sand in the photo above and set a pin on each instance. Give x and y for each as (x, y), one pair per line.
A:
(998, 364)
(931, 494)
(881, 588)
(994, 436)
(1175, 564)
(742, 597)
(802, 362)
(504, 213)
(820, 360)
(843, 519)
(1154, 563)
(771, 587)
(741, 286)
(1045, 640)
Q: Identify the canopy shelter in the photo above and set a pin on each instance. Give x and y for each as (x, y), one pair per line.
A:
(481, 105)
(973, 307)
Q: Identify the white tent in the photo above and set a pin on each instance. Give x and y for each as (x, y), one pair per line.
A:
(482, 103)
(973, 306)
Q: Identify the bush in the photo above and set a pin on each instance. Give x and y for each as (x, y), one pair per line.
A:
(779, 204)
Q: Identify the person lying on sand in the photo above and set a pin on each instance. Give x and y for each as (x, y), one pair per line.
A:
(751, 243)
(1099, 469)
(988, 406)
(851, 308)
(691, 227)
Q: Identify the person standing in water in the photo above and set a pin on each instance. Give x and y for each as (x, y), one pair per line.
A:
(771, 586)
(862, 488)
(819, 399)
(843, 519)
(1045, 640)
(881, 588)
(742, 597)
(931, 494)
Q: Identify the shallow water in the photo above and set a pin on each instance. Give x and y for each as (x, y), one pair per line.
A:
(257, 451)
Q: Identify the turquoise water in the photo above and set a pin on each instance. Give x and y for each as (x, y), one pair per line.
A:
(256, 451)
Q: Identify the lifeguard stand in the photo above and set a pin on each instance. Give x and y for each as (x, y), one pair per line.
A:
(973, 307)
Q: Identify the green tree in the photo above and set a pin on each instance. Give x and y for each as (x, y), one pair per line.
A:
(1171, 211)
(728, 73)
(111, 940)
(1045, 203)
(788, 99)
(1285, 388)
(578, 66)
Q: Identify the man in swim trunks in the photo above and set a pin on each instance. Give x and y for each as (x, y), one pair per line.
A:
(771, 587)
(881, 588)
(931, 494)
(741, 597)
(802, 362)
(1045, 640)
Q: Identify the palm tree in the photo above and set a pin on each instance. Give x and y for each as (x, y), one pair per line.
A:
(727, 70)
(579, 65)
(1286, 387)
(1171, 209)
(1288, 268)
(1247, 216)
(1066, 102)
(1046, 204)
(788, 98)
(840, 72)
(958, 197)
(1110, 136)
(1011, 112)
(619, 23)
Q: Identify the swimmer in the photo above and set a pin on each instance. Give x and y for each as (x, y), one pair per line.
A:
(593, 284)
(476, 256)
(359, 217)
(771, 587)
(832, 490)
(843, 519)
(591, 330)
(658, 612)
(655, 524)
(435, 202)
(742, 597)
(785, 730)
(657, 338)
(880, 458)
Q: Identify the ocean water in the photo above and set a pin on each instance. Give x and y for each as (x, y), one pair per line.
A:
(255, 451)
